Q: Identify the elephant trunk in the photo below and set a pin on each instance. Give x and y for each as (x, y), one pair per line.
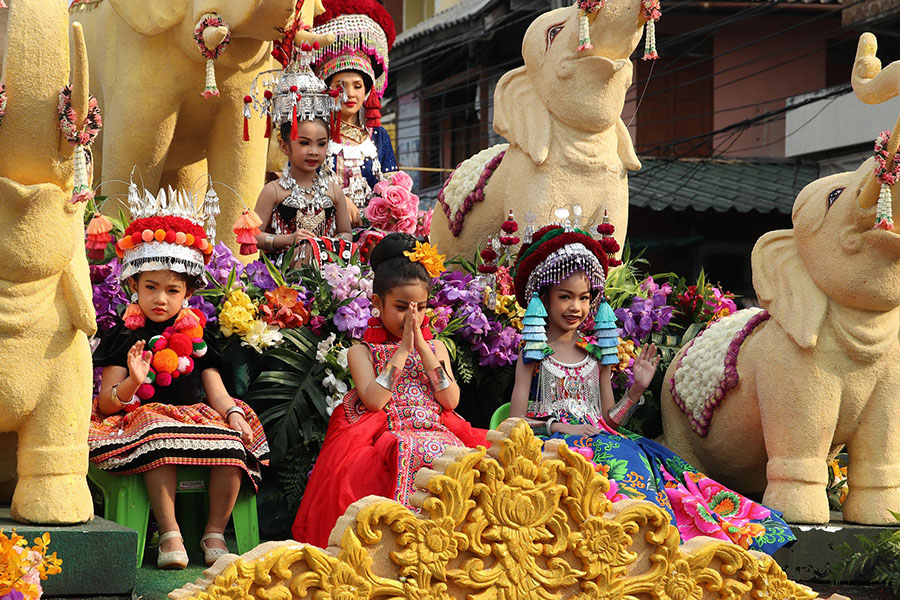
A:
(36, 67)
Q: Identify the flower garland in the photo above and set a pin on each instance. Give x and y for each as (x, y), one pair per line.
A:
(461, 190)
(2, 102)
(210, 20)
(707, 369)
(883, 212)
(652, 12)
(588, 10)
(93, 121)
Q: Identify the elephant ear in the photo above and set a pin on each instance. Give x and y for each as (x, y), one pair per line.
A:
(625, 147)
(520, 115)
(786, 289)
(151, 17)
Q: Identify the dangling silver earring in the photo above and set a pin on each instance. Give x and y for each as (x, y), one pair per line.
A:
(376, 314)
(185, 303)
(134, 297)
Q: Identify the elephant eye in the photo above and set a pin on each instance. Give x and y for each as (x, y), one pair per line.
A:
(833, 196)
(552, 33)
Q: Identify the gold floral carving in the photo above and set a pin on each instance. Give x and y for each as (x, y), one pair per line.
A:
(509, 523)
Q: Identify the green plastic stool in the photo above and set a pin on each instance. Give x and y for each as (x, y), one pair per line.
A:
(125, 502)
(500, 415)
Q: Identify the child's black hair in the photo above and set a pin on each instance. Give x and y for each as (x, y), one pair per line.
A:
(285, 129)
(392, 267)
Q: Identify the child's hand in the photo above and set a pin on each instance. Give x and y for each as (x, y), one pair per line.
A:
(645, 367)
(138, 362)
(238, 423)
(571, 429)
(301, 235)
(410, 327)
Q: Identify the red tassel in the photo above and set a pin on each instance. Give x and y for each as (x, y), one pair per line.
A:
(294, 124)
(336, 127)
(375, 332)
(373, 109)
(246, 137)
(268, 124)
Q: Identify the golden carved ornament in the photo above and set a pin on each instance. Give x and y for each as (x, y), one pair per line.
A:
(508, 523)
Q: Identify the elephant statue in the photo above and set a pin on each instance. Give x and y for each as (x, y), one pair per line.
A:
(561, 113)
(763, 398)
(46, 310)
(148, 73)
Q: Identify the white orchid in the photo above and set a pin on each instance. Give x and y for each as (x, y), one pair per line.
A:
(261, 336)
(324, 347)
(333, 383)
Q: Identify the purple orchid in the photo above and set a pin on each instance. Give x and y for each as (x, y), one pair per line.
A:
(258, 275)
(203, 305)
(107, 293)
(354, 317)
(220, 265)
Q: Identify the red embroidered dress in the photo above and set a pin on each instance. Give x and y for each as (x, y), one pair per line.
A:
(378, 453)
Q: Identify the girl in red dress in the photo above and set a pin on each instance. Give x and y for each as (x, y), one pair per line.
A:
(400, 416)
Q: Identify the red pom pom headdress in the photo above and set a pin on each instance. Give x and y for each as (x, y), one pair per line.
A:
(554, 253)
(167, 232)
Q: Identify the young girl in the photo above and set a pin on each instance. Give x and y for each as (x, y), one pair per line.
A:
(357, 63)
(563, 388)
(306, 202)
(162, 400)
(400, 416)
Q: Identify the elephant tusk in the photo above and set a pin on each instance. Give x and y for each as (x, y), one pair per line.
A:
(213, 36)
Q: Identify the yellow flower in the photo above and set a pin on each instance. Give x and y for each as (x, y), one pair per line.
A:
(427, 255)
(625, 352)
(238, 314)
(507, 305)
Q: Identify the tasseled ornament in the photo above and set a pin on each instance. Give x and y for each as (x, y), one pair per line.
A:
(133, 316)
(534, 331)
(294, 124)
(268, 108)
(372, 105)
(81, 192)
(246, 229)
(609, 243)
(652, 13)
(98, 236)
(607, 334)
(884, 218)
(508, 229)
(375, 332)
(584, 33)
(211, 210)
(210, 89)
(247, 101)
(186, 320)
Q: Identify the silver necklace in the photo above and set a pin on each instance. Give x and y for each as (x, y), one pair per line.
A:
(313, 199)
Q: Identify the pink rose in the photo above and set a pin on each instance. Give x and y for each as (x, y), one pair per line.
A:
(400, 201)
(378, 212)
(380, 187)
(406, 224)
(402, 179)
(423, 228)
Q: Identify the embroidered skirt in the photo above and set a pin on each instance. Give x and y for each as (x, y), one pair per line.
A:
(162, 434)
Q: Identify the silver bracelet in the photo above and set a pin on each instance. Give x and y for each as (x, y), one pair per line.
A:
(551, 421)
(114, 396)
(388, 377)
(624, 408)
(235, 409)
(270, 242)
(438, 378)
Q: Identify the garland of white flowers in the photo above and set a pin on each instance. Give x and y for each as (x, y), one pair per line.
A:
(2, 102)
(465, 186)
(81, 139)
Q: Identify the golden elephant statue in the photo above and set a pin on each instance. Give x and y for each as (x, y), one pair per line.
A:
(148, 73)
(773, 393)
(561, 114)
(45, 293)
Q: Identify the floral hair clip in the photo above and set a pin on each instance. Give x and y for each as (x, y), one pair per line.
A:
(427, 255)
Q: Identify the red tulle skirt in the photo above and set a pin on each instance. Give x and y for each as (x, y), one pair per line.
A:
(360, 457)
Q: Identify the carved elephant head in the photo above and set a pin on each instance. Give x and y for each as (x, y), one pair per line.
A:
(834, 252)
(584, 90)
(45, 229)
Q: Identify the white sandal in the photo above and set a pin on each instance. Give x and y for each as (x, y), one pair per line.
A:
(176, 559)
(211, 555)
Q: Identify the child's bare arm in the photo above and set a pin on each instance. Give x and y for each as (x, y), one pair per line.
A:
(341, 210)
(125, 380)
(518, 404)
(362, 369)
(449, 396)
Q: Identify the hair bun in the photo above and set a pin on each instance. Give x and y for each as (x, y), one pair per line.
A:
(393, 245)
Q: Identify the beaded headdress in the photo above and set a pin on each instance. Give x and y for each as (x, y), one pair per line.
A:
(293, 93)
(551, 256)
(364, 33)
(168, 232)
